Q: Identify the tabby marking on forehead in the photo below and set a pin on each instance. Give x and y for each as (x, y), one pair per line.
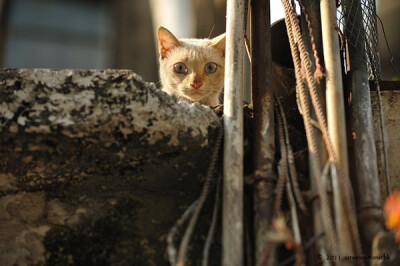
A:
(192, 69)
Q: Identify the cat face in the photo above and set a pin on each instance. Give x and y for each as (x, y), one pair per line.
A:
(192, 68)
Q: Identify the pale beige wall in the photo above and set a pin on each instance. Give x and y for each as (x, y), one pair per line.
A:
(391, 108)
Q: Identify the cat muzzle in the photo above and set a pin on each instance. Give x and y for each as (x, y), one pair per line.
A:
(196, 84)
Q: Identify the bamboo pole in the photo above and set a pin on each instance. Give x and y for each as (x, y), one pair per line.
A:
(232, 208)
(336, 117)
(263, 130)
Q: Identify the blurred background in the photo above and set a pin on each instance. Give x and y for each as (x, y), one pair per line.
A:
(89, 34)
(99, 33)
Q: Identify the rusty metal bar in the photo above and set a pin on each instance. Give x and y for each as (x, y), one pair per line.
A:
(232, 208)
(263, 130)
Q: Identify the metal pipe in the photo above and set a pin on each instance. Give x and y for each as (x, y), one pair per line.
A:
(232, 208)
(336, 116)
(366, 181)
(263, 129)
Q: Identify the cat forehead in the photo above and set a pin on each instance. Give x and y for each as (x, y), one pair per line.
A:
(195, 50)
(196, 42)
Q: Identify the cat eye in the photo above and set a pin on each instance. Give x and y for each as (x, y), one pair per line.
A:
(180, 68)
(211, 68)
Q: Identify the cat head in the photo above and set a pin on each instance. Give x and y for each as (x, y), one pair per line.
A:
(192, 68)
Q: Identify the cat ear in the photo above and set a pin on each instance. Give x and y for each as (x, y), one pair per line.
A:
(219, 43)
(166, 41)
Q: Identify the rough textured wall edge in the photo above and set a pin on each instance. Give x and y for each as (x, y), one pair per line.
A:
(81, 102)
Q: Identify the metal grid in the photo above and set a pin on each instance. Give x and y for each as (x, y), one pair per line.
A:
(364, 37)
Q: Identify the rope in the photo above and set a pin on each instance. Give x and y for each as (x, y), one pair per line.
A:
(344, 183)
(318, 68)
(292, 167)
(171, 249)
(200, 201)
(283, 173)
(213, 224)
(327, 219)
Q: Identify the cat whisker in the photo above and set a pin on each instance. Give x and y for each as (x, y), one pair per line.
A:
(180, 94)
(207, 89)
(211, 31)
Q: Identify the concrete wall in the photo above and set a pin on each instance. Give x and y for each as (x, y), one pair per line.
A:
(96, 167)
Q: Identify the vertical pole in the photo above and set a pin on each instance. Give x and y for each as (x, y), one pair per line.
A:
(336, 116)
(232, 209)
(263, 130)
(368, 198)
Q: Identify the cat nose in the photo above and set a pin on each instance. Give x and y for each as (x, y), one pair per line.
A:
(196, 84)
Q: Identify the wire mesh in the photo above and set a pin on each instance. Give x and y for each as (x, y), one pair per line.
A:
(361, 34)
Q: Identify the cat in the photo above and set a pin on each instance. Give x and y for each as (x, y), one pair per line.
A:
(192, 69)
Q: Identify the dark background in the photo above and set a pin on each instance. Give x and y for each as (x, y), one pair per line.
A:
(93, 34)
(98, 34)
